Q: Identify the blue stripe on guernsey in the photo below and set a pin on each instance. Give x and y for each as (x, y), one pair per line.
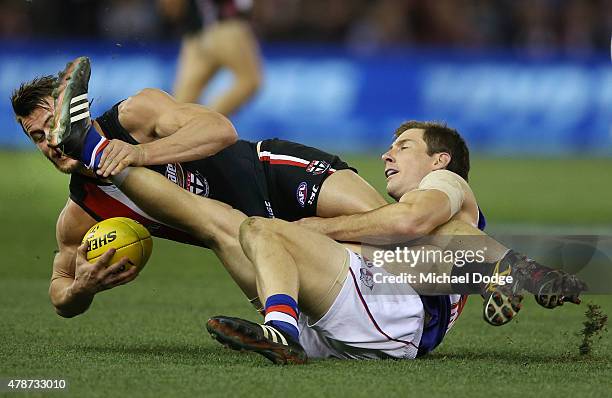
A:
(439, 308)
(282, 313)
(91, 153)
(482, 222)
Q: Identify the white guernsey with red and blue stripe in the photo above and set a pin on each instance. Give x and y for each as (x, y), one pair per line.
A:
(370, 320)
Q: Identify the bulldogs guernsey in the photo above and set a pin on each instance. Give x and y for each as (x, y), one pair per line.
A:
(443, 311)
(232, 176)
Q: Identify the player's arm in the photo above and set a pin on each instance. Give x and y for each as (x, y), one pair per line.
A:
(74, 281)
(416, 214)
(169, 131)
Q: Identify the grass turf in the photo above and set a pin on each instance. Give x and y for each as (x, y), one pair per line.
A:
(147, 338)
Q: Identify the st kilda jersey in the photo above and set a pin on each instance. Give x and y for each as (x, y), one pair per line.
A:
(233, 176)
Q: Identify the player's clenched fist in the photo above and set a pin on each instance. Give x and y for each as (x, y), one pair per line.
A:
(118, 155)
(91, 278)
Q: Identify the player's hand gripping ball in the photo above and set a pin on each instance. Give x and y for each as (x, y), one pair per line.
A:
(130, 238)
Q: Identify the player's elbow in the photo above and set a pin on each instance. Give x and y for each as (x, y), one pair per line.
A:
(64, 308)
(225, 132)
(229, 135)
(64, 314)
(64, 311)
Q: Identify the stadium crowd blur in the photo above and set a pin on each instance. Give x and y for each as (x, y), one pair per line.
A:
(533, 26)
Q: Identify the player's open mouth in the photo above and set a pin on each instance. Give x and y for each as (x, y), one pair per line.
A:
(390, 172)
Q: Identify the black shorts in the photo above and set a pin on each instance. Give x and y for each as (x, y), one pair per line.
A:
(294, 175)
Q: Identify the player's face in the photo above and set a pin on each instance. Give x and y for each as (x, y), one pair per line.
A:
(37, 126)
(407, 163)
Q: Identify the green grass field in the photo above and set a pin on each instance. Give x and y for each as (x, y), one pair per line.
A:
(147, 338)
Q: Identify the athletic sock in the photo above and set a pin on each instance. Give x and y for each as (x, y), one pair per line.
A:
(93, 146)
(282, 313)
(471, 274)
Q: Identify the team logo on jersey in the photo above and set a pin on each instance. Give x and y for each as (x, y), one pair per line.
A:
(366, 278)
(364, 260)
(197, 184)
(316, 167)
(192, 182)
(313, 194)
(301, 193)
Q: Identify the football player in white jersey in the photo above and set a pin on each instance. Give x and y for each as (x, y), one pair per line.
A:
(346, 309)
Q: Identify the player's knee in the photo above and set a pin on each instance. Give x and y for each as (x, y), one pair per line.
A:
(255, 82)
(249, 84)
(252, 229)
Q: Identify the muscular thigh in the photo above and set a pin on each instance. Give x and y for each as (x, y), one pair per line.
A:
(344, 193)
(304, 181)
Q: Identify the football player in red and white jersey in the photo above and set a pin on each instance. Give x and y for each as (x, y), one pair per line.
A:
(189, 144)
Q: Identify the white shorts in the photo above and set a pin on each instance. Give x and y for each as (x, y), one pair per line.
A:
(364, 323)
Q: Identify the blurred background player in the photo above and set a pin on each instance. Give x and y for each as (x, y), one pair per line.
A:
(217, 35)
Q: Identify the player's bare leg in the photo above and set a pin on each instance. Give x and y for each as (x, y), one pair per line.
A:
(228, 44)
(213, 222)
(234, 46)
(194, 70)
(302, 263)
(292, 265)
(345, 192)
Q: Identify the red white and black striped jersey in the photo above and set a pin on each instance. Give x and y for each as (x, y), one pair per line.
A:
(233, 176)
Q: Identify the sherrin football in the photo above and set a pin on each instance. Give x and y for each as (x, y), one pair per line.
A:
(130, 238)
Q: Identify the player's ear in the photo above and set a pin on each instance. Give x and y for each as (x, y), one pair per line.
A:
(441, 160)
